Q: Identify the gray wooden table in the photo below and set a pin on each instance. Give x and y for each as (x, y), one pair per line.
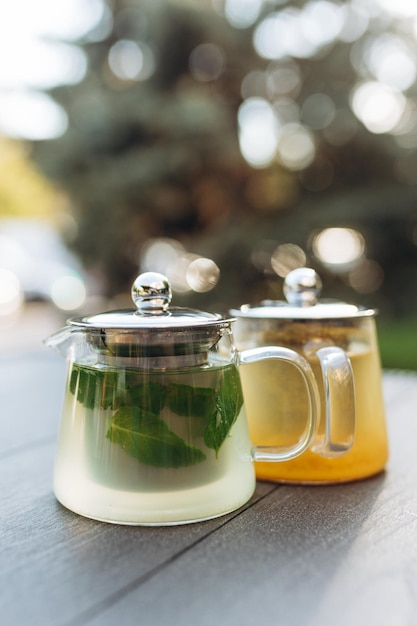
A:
(316, 556)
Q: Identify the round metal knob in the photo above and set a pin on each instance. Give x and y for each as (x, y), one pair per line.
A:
(151, 293)
(302, 287)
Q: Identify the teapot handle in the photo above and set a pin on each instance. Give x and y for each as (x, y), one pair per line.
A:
(285, 453)
(339, 403)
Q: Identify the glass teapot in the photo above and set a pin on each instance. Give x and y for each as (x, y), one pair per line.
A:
(340, 343)
(153, 428)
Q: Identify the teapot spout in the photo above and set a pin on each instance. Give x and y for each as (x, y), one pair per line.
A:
(62, 340)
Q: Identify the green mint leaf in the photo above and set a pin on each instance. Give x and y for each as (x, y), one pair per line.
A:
(229, 403)
(93, 387)
(148, 396)
(191, 401)
(148, 439)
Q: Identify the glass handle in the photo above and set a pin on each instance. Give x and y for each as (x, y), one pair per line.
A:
(285, 453)
(339, 403)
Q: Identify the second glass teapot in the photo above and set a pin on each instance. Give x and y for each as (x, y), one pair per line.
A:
(340, 343)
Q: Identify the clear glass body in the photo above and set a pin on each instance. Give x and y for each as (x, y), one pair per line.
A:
(153, 445)
(276, 400)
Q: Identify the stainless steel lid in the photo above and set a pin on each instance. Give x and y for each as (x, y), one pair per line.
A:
(302, 289)
(151, 293)
(153, 328)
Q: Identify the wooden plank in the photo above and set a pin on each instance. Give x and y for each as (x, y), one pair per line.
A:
(31, 392)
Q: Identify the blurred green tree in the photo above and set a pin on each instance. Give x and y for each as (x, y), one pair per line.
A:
(155, 149)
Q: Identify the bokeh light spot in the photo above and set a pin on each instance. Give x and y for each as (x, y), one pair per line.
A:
(296, 147)
(185, 271)
(31, 115)
(242, 13)
(51, 64)
(399, 8)
(287, 257)
(207, 62)
(391, 61)
(11, 296)
(279, 35)
(377, 106)
(68, 292)
(284, 78)
(367, 277)
(321, 22)
(202, 274)
(159, 254)
(339, 247)
(254, 85)
(130, 60)
(67, 19)
(287, 110)
(355, 23)
(258, 131)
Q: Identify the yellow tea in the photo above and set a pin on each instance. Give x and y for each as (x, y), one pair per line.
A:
(276, 401)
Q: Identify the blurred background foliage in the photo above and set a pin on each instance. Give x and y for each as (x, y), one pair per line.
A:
(226, 142)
